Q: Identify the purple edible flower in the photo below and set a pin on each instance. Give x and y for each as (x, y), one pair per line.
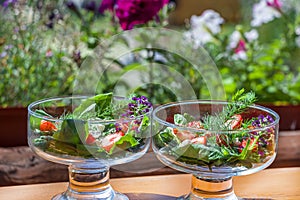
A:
(118, 127)
(138, 107)
(262, 121)
(261, 153)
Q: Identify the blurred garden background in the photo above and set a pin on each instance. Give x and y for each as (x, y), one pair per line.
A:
(255, 45)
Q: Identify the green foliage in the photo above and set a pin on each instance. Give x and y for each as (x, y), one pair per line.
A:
(42, 45)
(271, 68)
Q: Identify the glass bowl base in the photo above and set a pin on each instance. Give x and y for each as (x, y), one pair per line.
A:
(112, 196)
(210, 189)
(193, 196)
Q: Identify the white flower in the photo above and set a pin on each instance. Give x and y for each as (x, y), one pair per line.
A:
(237, 45)
(297, 30)
(241, 55)
(251, 35)
(264, 12)
(212, 20)
(204, 27)
(234, 39)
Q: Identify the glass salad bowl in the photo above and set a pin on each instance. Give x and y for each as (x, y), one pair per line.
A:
(214, 141)
(90, 134)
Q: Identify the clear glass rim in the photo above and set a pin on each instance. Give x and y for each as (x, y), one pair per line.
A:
(212, 102)
(73, 98)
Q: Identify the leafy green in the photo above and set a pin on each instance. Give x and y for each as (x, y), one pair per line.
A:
(145, 123)
(72, 131)
(36, 121)
(125, 142)
(179, 119)
(97, 105)
(166, 137)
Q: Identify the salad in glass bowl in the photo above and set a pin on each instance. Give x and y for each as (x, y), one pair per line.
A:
(215, 140)
(90, 134)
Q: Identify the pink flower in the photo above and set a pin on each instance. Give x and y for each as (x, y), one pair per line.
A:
(133, 12)
(275, 4)
(240, 47)
(240, 52)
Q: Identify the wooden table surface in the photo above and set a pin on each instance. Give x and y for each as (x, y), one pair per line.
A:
(279, 183)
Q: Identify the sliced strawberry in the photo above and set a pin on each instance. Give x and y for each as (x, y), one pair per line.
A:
(184, 135)
(108, 141)
(235, 122)
(90, 139)
(252, 145)
(199, 140)
(47, 126)
(195, 124)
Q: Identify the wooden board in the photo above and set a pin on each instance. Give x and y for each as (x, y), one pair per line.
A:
(280, 183)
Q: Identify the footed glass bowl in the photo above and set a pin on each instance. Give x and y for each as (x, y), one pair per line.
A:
(197, 137)
(84, 133)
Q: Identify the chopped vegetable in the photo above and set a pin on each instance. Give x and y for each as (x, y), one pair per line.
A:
(47, 126)
(109, 141)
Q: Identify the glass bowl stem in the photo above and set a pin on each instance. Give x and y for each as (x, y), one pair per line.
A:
(206, 188)
(89, 182)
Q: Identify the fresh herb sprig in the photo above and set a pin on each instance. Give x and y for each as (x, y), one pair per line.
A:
(240, 101)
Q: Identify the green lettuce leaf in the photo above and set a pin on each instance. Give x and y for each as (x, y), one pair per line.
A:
(166, 137)
(72, 131)
(97, 105)
(125, 142)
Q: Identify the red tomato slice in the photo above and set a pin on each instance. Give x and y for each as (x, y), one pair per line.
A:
(109, 140)
(184, 135)
(90, 139)
(235, 122)
(199, 140)
(47, 126)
